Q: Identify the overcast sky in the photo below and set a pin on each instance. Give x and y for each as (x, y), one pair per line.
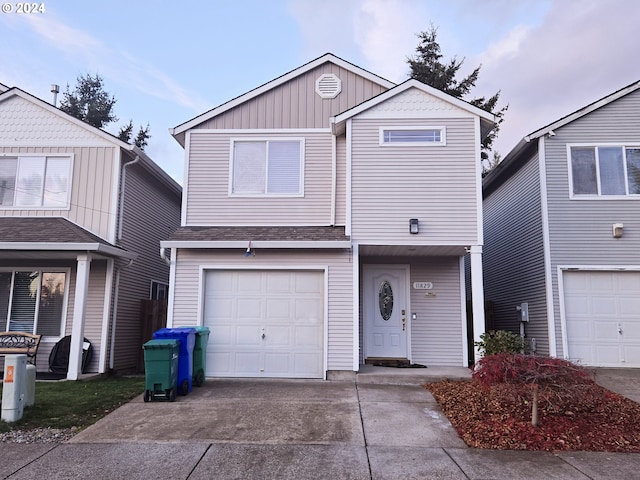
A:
(168, 61)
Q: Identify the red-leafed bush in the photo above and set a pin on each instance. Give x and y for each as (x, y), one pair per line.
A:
(549, 383)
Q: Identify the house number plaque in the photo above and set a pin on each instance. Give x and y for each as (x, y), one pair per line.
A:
(422, 285)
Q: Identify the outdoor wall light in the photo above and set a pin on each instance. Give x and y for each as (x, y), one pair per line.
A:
(618, 230)
(413, 226)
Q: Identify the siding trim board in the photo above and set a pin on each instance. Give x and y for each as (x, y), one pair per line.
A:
(546, 248)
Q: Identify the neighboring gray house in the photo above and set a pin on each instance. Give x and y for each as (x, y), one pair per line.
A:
(81, 218)
(562, 233)
(325, 220)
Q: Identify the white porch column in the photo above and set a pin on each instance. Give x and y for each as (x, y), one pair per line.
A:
(477, 296)
(79, 310)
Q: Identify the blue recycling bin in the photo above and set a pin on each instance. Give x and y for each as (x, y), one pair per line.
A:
(187, 338)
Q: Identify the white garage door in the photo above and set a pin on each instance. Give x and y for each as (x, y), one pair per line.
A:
(602, 311)
(265, 323)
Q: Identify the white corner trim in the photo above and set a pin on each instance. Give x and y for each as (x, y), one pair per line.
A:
(172, 287)
(185, 176)
(463, 315)
(356, 306)
(546, 249)
(348, 139)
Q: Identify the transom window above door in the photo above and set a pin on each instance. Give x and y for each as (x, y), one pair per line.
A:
(35, 182)
(267, 167)
(604, 170)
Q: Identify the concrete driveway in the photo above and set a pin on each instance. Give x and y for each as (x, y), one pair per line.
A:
(248, 429)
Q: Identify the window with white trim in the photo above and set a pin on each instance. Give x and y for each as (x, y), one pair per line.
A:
(267, 167)
(412, 136)
(33, 301)
(35, 181)
(604, 170)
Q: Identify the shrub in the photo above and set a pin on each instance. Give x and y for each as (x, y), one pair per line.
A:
(551, 383)
(500, 341)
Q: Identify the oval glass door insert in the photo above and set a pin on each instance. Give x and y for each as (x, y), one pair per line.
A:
(385, 300)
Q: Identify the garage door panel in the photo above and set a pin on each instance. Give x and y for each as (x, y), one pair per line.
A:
(278, 282)
(278, 336)
(306, 336)
(247, 335)
(249, 309)
(278, 309)
(602, 315)
(630, 305)
(246, 363)
(286, 306)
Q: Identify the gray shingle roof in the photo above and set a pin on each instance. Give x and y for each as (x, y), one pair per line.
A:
(276, 234)
(45, 230)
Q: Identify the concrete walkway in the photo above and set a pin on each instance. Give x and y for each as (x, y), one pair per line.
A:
(384, 426)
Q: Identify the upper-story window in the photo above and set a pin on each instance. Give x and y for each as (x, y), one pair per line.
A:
(267, 167)
(35, 182)
(412, 136)
(605, 170)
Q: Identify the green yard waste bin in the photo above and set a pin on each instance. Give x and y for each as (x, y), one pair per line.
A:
(200, 355)
(161, 369)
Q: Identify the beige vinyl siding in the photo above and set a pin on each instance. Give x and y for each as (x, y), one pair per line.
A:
(340, 313)
(92, 185)
(295, 104)
(209, 202)
(513, 256)
(151, 212)
(437, 333)
(436, 184)
(580, 230)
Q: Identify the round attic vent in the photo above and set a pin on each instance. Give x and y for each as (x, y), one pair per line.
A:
(328, 85)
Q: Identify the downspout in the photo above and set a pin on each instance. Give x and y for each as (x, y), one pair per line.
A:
(119, 269)
(112, 344)
(334, 175)
(124, 177)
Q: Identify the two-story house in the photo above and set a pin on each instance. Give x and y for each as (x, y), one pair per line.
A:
(325, 220)
(81, 218)
(562, 234)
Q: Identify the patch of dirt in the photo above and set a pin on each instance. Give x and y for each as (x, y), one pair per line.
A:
(499, 418)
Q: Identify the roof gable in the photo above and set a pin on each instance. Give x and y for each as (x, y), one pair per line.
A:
(583, 111)
(412, 99)
(24, 117)
(179, 131)
(527, 147)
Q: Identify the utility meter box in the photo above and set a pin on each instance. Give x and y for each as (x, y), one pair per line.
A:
(523, 308)
(15, 367)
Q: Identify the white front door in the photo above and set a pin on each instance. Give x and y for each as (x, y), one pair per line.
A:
(385, 310)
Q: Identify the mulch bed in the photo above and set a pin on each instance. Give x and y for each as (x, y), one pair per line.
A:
(499, 418)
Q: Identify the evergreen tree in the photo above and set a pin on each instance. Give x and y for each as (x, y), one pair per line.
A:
(428, 67)
(89, 101)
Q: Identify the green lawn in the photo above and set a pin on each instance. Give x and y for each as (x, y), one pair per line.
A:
(78, 404)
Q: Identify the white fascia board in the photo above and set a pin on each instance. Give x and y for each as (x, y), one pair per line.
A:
(420, 86)
(67, 247)
(341, 244)
(276, 82)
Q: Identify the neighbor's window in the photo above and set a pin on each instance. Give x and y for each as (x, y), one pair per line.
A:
(605, 170)
(267, 167)
(412, 136)
(34, 182)
(32, 301)
(159, 291)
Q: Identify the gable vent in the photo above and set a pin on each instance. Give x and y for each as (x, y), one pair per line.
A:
(328, 85)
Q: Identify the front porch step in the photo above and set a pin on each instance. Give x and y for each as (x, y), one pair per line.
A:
(370, 374)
